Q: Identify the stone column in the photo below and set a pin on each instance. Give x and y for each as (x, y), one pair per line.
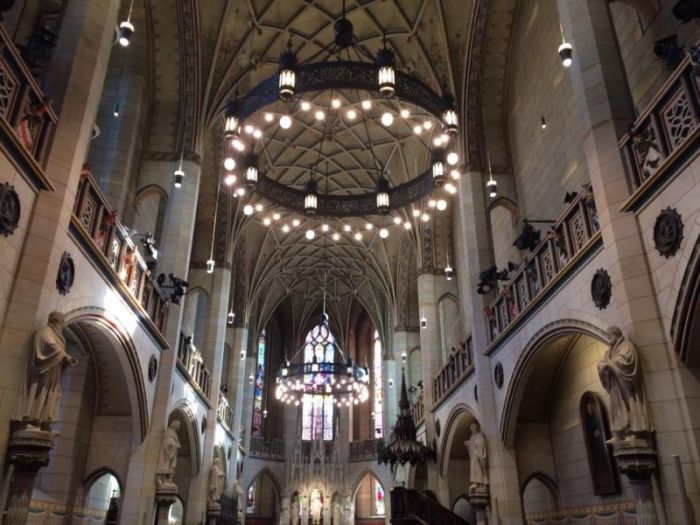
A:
(237, 380)
(74, 79)
(474, 235)
(28, 451)
(164, 499)
(636, 459)
(392, 372)
(479, 498)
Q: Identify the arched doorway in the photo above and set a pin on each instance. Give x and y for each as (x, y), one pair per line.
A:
(454, 466)
(103, 496)
(370, 501)
(188, 455)
(262, 500)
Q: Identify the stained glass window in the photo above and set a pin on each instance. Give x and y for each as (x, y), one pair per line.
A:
(317, 410)
(379, 509)
(259, 387)
(378, 387)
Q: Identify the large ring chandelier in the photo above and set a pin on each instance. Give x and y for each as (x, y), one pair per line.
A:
(347, 382)
(374, 82)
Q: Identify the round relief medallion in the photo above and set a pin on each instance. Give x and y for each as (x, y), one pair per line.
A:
(498, 375)
(152, 368)
(10, 209)
(601, 289)
(668, 232)
(66, 274)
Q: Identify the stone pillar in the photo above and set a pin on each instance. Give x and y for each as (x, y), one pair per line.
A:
(213, 512)
(473, 230)
(28, 451)
(479, 498)
(236, 380)
(74, 79)
(636, 459)
(392, 372)
(164, 499)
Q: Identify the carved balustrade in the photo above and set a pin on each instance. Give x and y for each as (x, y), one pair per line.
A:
(459, 365)
(191, 362)
(26, 117)
(266, 448)
(409, 506)
(109, 245)
(664, 137)
(571, 237)
(364, 450)
(224, 413)
(418, 408)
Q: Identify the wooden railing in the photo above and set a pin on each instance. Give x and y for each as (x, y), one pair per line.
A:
(459, 365)
(266, 449)
(224, 413)
(576, 231)
(418, 408)
(26, 116)
(664, 136)
(191, 362)
(117, 255)
(364, 450)
(413, 507)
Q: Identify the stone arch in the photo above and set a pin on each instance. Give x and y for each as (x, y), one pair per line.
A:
(518, 380)
(127, 359)
(448, 306)
(190, 428)
(150, 204)
(367, 475)
(537, 484)
(358, 479)
(504, 218)
(95, 478)
(685, 325)
(263, 473)
(461, 414)
(195, 314)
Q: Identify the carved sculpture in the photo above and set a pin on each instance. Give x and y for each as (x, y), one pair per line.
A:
(478, 458)
(620, 372)
(167, 459)
(240, 500)
(40, 394)
(216, 480)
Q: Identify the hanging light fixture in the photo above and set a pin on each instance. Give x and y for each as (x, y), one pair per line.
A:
(386, 74)
(383, 195)
(438, 167)
(449, 272)
(449, 116)
(126, 28)
(287, 74)
(404, 446)
(251, 172)
(566, 50)
(231, 317)
(491, 184)
(231, 121)
(311, 198)
(179, 174)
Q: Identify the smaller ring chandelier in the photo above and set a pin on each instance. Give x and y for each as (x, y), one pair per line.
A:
(347, 382)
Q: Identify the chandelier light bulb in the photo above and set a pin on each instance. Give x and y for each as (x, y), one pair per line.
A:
(397, 220)
(425, 217)
(230, 179)
(285, 228)
(428, 124)
(324, 227)
(366, 104)
(405, 113)
(442, 205)
(285, 122)
(455, 174)
(248, 209)
(384, 233)
(417, 129)
(310, 235)
(276, 216)
(358, 236)
(305, 106)
(248, 129)
(450, 188)
(229, 164)
(351, 114)
(258, 207)
(320, 115)
(335, 103)
(267, 221)
(257, 133)
(407, 225)
(296, 223)
(269, 117)
(336, 237)
(369, 226)
(387, 119)
(240, 192)
(452, 158)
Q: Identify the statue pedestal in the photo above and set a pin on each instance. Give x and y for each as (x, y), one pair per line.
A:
(479, 499)
(28, 451)
(636, 459)
(165, 497)
(213, 512)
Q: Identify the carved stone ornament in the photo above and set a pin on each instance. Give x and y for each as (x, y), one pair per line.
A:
(668, 232)
(10, 209)
(152, 368)
(66, 274)
(601, 289)
(498, 375)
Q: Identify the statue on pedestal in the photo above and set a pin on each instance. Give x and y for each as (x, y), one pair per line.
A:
(620, 372)
(40, 394)
(167, 459)
(216, 480)
(478, 458)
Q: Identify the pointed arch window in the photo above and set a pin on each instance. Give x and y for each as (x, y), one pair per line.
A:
(317, 409)
(378, 408)
(259, 392)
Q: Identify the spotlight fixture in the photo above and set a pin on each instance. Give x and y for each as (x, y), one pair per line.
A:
(257, 133)
(276, 216)
(425, 217)
(417, 129)
(386, 76)
(369, 226)
(269, 117)
(566, 53)
(240, 192)
(267, 221)
(320, 115)
(335, 103)
(358, 236)
(324, 227)
(296, 223)
(210, 266)
(126, 31)
(237, 143)
(229, 163)
(450, 188)
(347, 228)
(415, 212)
(427, 124)
(397, 220)
(407, 225)
(287, 74)
(455, 174)
(285, 228)
(432, 203)
(259, 207)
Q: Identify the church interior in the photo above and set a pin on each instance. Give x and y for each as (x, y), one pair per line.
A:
(350, 262)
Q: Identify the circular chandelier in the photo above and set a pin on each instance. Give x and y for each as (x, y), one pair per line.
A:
(345, 381)
(352, 83)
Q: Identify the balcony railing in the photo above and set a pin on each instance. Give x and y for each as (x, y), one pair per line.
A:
(26, 117)
(560, 251)
(364, 450)
(266, 449)
(411, 506)
(418, 409)
(191, 362)
(459, 365)
(117, 256)
(663, 139)
(224, 413)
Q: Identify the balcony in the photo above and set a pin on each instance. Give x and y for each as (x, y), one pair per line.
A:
(267, 449)
(191, 363)
(106, 242)
(364, 450)
(26, 118)
(664, 138)
(459, 365)
(567, 245)
(418, 409)
(224, 413)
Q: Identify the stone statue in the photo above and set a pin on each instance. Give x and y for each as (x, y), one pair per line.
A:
(216, 480)
(620, 372)
(478, 458)
(238, 494)
(167, 459)
(40, 394)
